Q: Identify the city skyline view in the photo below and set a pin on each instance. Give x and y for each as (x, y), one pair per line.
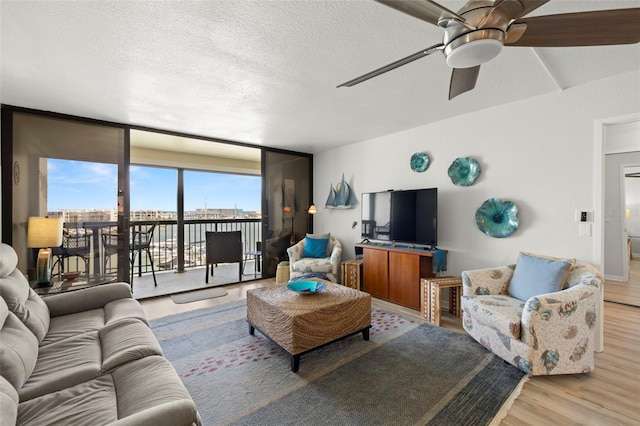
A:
(83, 185)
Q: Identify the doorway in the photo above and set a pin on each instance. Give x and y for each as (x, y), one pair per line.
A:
(621, 160)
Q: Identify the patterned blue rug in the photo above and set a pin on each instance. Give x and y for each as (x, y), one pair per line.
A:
(408, 373)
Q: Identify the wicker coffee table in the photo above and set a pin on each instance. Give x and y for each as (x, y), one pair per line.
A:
(300, 323)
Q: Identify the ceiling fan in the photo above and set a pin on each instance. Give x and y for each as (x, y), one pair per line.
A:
(476, 33)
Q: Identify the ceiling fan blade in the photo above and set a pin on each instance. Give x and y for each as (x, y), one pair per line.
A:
(516, 9)
(463, 80)
(595, 28)
(393, 65)
(427, 10)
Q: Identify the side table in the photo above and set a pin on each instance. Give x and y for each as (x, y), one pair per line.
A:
(63, 286)
(430, 292)
(352, 273)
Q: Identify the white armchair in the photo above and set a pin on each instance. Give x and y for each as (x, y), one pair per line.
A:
(552, 333)
(329, 265)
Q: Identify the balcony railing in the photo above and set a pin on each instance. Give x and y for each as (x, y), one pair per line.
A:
(100, 244)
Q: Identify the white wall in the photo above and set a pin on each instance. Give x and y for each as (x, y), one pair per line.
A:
(538, 153)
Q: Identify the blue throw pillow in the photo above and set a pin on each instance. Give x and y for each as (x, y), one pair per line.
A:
(535, 275)
(315, 247)
(321, 237)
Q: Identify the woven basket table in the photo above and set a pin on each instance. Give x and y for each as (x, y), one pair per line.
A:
(300, 322)
(430, 290)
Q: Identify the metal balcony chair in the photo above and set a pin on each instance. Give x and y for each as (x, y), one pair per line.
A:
(76, 242)
(109, 246)
(141, 236)
(223, 247)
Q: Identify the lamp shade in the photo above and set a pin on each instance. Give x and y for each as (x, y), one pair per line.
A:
(312, 209)
(627, 214)
(44, 232)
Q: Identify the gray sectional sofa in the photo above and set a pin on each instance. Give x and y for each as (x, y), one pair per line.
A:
(82, 358)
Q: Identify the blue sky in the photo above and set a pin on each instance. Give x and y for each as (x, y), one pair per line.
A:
(84, 185)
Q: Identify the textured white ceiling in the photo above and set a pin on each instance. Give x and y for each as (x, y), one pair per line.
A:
(265, 72)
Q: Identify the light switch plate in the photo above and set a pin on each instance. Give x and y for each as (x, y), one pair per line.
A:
(585, 229)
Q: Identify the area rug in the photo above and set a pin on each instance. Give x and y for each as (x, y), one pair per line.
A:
(408, 373)
(194, 296)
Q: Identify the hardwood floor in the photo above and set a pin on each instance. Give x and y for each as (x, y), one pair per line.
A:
(625, 292)
(610, 395)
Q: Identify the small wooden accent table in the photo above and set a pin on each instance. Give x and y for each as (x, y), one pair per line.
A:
(430, 290)
(299, 323)
(352, 273)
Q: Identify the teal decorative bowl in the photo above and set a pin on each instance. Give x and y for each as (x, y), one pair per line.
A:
(419, 162)
(464, 171)
(497, 218)
(306, 287)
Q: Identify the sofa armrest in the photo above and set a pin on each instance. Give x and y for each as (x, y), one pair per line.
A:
(295, 253)
(86, 299)
(559, 316)
(8, 403)
(336, 257)
(487, 281)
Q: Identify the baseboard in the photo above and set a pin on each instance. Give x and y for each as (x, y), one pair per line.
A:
(614, 278)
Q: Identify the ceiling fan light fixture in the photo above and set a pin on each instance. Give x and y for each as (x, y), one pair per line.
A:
(474, 48)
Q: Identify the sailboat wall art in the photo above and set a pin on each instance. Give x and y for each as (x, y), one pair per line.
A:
(340, 197)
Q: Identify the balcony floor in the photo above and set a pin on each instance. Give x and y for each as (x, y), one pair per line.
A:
(170, 282)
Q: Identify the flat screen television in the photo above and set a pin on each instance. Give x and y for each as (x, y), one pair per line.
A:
(409, 216)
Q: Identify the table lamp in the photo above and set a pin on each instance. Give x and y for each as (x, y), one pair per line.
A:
(44, 233)
(311, 211)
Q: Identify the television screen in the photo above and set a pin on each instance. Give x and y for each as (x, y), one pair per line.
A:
(401, 216)
(376, 215)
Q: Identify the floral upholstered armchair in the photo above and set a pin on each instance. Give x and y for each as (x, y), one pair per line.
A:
(549, 333)
(303, 260)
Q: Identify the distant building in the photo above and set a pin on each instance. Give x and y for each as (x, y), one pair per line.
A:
(73, 216)
(153, 214)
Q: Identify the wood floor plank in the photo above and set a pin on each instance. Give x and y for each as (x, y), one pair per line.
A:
(610, 395)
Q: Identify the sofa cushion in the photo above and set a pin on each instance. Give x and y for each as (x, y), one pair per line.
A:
(536, 275)
(89, 403)
(125, 341)
(64, 364)
(72, 325)
(315, 247)
(85, 356)
(65, 326)
(18, 348)
(146, 391)
(311, 264)
(25, 303)
(500, 312)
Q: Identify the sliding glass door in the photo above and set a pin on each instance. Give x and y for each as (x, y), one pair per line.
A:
(287, 195)
(79, 169)
(74, 171)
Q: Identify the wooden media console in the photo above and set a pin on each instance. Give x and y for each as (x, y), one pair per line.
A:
(393, 273)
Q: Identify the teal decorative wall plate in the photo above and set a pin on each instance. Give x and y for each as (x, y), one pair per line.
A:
(497, 218)
(464, 171)
(419, 162)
